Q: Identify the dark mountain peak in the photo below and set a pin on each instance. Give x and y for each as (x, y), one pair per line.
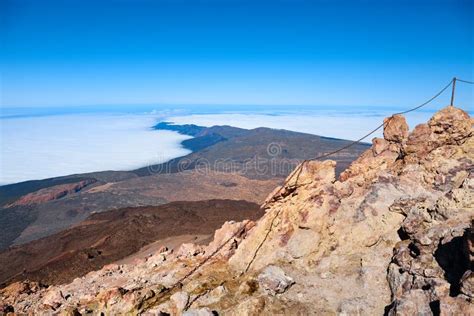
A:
(203, 136)
(195, 130)
(186, 129)
(223, 130)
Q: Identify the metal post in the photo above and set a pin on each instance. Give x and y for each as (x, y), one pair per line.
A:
(452, 93)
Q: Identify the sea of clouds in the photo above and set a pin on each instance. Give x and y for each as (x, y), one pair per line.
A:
(336, 124)
(44, 144)
(49, 146)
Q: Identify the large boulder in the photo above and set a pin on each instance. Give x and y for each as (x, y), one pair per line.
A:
(395, 129)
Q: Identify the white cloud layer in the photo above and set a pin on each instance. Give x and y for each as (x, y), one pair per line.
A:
(57, 145)
(42, 147)
(337, 125)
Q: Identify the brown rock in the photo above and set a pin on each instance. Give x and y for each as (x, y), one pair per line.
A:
(188, 250)
(419, 139)
(395, 129)
(307, 173)
(229, 235)
(53, 298)
(454, 306)
(451, 125)
(379, 145)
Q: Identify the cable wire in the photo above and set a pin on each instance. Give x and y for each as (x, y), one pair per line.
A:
(465, 81)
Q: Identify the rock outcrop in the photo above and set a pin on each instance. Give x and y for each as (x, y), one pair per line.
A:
(393, 235)
(52, 193)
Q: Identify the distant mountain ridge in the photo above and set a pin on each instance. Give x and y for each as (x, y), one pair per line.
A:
(186, 129)
(203, 137)
(226, 147)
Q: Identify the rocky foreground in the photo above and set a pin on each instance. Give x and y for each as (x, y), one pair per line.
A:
(394, 235)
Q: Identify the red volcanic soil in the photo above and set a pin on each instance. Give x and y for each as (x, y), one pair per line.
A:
(52, 193)
(110, 236)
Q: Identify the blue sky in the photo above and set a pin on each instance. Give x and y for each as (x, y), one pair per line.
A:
(391, 53)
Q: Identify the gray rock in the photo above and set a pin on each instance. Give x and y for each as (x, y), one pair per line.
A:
(198, 312)
(274, 280)
(180, 300)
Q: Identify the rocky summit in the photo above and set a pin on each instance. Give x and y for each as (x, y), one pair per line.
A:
(393, 235)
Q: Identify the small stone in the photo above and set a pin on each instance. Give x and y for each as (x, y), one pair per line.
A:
(425, 240)
(274, 280)
(163, 249)
(53, 298)
(189, 250)
(180, 300)
(429, 273)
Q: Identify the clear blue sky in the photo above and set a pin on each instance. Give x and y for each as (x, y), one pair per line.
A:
(57, 53)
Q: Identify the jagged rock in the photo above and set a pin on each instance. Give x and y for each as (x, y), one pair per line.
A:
(417, 141)
(453, 306)
(180, 301)
(53, 298)
(396, 129)
(111, 296)
(309, 172)
(316, 172)
(274, 280)
(188, 250)
(415, 302)
(384, 153)
(18, 288)
(159, 258)
(229, 234)
(432, 263)
(451, 125)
